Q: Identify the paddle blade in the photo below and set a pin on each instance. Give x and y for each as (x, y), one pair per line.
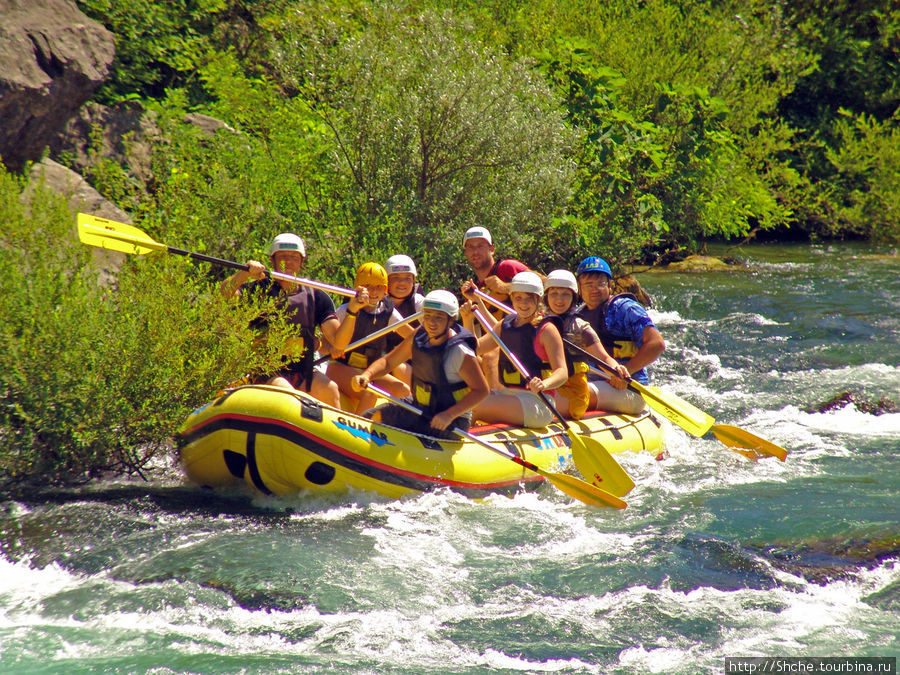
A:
(677, 410)
(582, 491)
(735, 437)
(108, 234)
(599, 467)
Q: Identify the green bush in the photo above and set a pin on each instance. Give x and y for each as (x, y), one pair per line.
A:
(866, 185)
(433, 132)
(98, 377)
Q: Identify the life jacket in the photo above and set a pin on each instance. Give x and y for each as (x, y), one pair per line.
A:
(575, 361)
(300, 310)
(520, 340)
(406, 308)
(620, 347)
(430, 387)
(366, 324)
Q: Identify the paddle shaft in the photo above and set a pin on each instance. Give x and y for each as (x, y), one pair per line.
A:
(338, 290)
(101, 229)
(456, 430)
(374, 336)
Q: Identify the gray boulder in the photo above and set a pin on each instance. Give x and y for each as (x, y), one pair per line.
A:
(82, 198)
(123, 133)
(52, 59)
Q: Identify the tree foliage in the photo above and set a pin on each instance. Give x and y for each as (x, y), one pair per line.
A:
(568, 128)
(434, 133)
(97, 377)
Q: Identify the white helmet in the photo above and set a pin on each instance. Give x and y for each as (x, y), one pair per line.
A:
(287, 242)
(526, 282)
(401, 264)
(561, 279)
(443, 301)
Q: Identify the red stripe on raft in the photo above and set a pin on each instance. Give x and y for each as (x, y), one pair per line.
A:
(343, 451)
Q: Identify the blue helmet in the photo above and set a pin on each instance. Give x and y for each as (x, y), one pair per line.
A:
(593, 264)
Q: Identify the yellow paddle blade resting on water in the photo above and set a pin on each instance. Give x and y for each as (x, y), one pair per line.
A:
(756, 447)
(113, 236)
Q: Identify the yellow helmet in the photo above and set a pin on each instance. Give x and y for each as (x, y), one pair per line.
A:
(371, 274)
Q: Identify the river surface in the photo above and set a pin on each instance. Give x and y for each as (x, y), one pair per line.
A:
(714, 557)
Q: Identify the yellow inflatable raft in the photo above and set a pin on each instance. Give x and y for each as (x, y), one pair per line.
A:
(282, 442)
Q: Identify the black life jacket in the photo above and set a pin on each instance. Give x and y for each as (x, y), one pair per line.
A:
(366, 324)
(620, 347)
(520, 340)
(430, 387)
(300, 310)
(565, 323)
(406, 308)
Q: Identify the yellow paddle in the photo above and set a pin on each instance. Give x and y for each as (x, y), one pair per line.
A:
(108, 234)
(676, 409)
(592, 459)
(572, 486)
(695, 421)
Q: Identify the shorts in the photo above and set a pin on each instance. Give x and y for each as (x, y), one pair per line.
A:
(535, 412)
(402, 418)
(575, 392)
(611, 399)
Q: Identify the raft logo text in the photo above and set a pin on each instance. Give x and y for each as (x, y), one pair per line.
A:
(812, 664)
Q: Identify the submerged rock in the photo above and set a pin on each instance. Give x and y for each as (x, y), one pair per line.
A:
(878, 406)
(702, 263)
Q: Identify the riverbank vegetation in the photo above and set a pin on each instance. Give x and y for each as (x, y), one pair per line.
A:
(568, 128)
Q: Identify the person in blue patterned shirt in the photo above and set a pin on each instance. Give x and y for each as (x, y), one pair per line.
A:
(621, 322)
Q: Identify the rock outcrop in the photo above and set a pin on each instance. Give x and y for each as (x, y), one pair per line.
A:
(123, 133)
(52, 59)
(82, 197)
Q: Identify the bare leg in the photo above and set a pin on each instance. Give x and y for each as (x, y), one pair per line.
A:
(500, 408)
(605, 397)
(325, 390)
(390, 384)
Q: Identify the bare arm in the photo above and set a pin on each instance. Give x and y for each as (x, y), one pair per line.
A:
(552, 342)
(474, 378)
(231, 286)
(653, 345)
(384, 364)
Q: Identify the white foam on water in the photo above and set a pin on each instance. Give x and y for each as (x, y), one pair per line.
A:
(23, 588)
(798, 619)
(668, 318)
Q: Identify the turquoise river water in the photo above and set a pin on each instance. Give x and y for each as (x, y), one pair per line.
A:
(714, 557)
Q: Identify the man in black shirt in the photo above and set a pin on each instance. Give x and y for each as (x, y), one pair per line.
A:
(306, 308)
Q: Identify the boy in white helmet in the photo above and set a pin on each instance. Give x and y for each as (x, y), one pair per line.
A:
(537, 343)
(576, 395)
(447, 380)
(305, 308)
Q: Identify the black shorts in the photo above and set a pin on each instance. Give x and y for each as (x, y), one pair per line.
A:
(402, 418)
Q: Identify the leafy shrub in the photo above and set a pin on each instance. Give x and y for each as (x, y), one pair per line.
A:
(96, 377)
